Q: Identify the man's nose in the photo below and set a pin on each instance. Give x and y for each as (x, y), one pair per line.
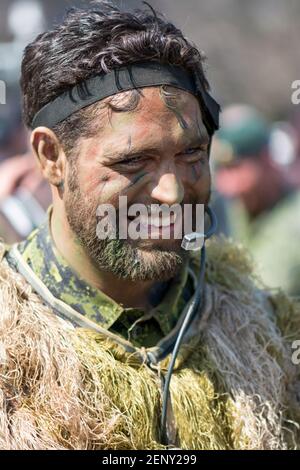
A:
(168, 189)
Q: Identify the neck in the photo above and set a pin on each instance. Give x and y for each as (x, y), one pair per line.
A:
(126, 292)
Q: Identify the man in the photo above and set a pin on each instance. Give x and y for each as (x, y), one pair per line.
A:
(262, 204)
(88, 324)
(24, 193)
(24, 197)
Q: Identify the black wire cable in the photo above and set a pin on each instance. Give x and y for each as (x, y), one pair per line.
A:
(197, 301)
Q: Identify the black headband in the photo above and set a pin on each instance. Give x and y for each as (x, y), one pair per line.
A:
(138, 75)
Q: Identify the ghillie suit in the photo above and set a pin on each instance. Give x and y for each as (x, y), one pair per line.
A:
(234, 385)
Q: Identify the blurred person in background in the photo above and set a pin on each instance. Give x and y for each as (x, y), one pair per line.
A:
(263, 205)
(24, 194)
(13, 140)
(24, 197)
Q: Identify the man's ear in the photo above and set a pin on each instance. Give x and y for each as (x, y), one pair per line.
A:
(49, 154)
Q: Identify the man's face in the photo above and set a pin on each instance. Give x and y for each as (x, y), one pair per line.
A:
(240, 179)
(154, 154)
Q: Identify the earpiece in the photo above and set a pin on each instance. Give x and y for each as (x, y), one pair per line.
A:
(194, 241)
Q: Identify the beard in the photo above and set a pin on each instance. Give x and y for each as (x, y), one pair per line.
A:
(126, 259)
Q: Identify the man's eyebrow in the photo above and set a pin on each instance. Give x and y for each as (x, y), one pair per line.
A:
(198, 140)
(119, 154)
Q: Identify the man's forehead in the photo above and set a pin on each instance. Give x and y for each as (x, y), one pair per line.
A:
(159, 99)
(157, 110)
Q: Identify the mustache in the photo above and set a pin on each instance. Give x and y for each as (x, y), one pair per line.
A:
(161, 206)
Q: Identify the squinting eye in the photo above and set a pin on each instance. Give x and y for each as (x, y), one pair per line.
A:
(131, 161)
(191, 151)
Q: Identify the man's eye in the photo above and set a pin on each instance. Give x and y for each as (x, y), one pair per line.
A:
(130, 161)
(192, 151)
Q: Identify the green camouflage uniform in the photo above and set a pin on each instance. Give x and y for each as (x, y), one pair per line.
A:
(136, 326)
(77, 388)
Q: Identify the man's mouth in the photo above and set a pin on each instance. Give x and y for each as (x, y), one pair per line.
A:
(156, 225)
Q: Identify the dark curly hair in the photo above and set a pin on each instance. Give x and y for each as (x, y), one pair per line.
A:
(95, 40)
